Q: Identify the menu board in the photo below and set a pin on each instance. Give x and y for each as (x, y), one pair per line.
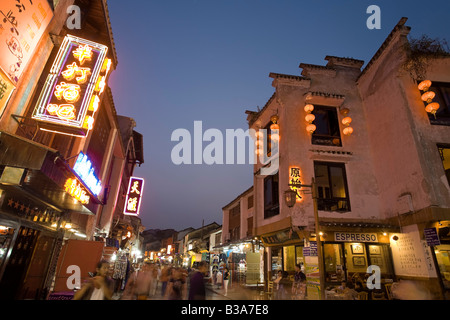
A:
(410, 256)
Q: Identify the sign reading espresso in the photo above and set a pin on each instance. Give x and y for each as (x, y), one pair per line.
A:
(355, 236)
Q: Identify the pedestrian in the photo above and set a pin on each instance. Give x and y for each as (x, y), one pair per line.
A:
(141, 283)
(99, 287)
(226, 278)
(176, 286)
(350, 292)
(165, 272)
(197, 289)
(283, 284)
(299, 285)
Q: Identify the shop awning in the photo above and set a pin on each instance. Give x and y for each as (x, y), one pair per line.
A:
(41, 173)
(280, 237)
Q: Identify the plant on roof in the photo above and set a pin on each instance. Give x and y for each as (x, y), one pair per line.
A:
(421, 52)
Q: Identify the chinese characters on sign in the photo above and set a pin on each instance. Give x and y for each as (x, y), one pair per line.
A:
(294, 178)
(134, 195)
(76, 190)
(22, 24)
(71, 94)
(6, 90)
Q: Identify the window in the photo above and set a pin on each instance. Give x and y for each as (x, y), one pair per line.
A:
(444, 152)
(331, 185)
(346, 261)
(327, 127)
(250, 202)
(271, 203)
(442, 91)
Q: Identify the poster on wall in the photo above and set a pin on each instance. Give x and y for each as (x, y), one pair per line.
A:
(312, 270)
(22, 24)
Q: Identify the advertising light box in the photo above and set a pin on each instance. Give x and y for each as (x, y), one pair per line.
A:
(134, 196)
(71, 94)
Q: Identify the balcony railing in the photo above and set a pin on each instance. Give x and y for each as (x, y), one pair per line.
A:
(333, 204)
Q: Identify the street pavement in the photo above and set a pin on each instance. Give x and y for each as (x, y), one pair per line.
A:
(214, 292)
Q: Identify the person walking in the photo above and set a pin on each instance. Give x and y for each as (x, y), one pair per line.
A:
(99, 287)
(165, 273)
(176, 286)
(226, 278)
(197, 289)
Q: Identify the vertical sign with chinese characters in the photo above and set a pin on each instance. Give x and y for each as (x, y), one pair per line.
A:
(134, 196)
(71, 94)
(294, 178)
(22, 24)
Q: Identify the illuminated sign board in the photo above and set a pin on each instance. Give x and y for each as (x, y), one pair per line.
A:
(294, 179)
(71, 94)
(134, 195)
(22, 24)
(76, 190)
(84, 169)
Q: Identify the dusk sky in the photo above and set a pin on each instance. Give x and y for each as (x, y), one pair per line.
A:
(182, 61)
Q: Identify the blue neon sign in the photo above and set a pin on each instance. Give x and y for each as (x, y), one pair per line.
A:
(83, 168)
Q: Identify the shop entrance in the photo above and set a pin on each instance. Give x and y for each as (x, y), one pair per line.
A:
(349, 261)
(12, 279)
(443, 259)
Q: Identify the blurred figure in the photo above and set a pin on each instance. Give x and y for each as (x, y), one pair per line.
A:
(99, 287)
(283, 284)
(142, 283)
(299, 285)
(197, 285)
(165, 273)
(154, 275)
(176, 287)
(409, 290)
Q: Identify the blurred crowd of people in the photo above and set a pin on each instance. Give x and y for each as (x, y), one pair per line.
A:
(147, 281)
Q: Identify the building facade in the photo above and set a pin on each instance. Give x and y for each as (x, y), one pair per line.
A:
(63, 154)
(353, 146)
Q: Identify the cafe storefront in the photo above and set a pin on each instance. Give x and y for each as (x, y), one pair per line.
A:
(348, 254)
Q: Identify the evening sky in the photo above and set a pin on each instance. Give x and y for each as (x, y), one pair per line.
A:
(181, 61)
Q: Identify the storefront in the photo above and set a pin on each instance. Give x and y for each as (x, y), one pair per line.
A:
(35, 213)
(347, 255)
(284, 251)
(244, 259)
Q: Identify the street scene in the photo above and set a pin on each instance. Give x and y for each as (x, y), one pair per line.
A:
(249, 151)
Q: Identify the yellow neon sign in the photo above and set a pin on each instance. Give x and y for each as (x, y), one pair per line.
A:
(76, 190)
(83, 53)
(294, 178)
(73, 70)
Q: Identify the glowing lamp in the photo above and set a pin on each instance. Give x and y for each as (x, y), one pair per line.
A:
(275, 136)
(428, 96)
(310, 117)
(309, 108)
(346, 121)
(424, 85)
(310, 128)
(432, 107)
(258, 134)
(348, 131)
(274, 126)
